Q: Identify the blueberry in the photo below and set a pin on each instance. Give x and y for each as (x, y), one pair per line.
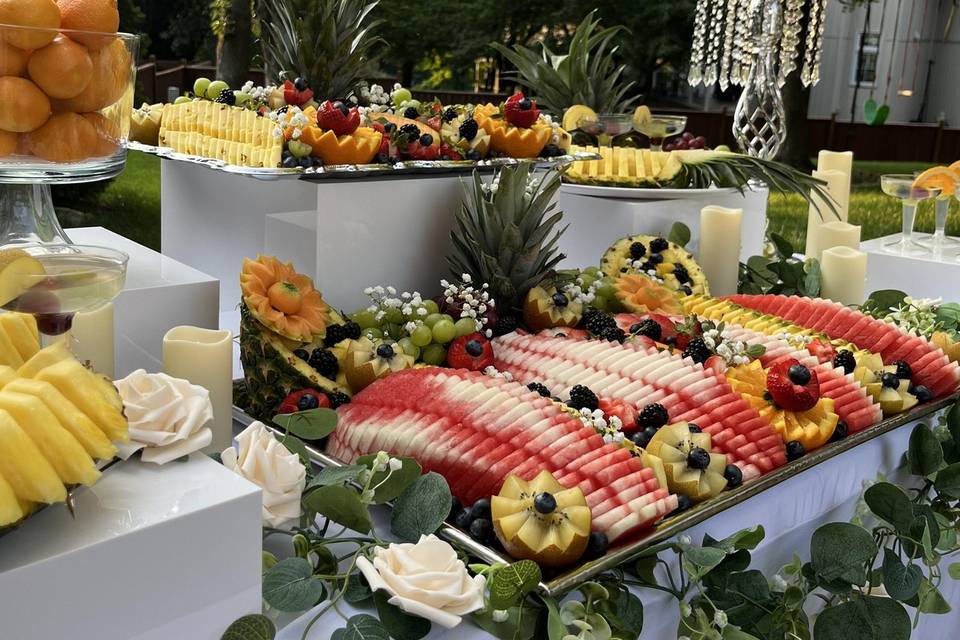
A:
(640, 438)
(481, 530)
(597, 545)
(525, 104)
(551, 151)
(694, 428)
(302, 354)
(733, 476)
(385, 351)
(474, 348)
(389, 127)
(306, 163)
(799, 375)
(481, 508)
(307, 401)
(426, 140)
(463, 520)
(840, 431)
(560, 300)
(656, 258)
(545, 503)
(473, 154)
(683, 503)
(455, 508)
(698, 458)
(795, 450)
(300, 84)
(290, 162)
(904, 371)
(890, 380)
(923, 393)
(342, 108)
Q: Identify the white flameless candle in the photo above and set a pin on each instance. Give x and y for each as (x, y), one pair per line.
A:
(836, 161)
(720, 248)
(837, 234)
(822, 213)
(843, 275)
(92, 340)
(205, 358)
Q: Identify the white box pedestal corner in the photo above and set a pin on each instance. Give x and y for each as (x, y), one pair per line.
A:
(159, 294)
(921, 277)
(154, 553)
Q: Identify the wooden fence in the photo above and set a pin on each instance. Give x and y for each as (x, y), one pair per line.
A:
(904, 142)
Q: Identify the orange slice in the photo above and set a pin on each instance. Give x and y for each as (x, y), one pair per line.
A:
(943, 178)
(955, 167)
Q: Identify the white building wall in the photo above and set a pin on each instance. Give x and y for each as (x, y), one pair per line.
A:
(919, 38)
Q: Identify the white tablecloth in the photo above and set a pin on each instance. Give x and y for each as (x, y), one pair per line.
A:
(789, 513)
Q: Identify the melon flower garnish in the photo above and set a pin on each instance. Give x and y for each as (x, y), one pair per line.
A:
(425, 579)
(283, 300)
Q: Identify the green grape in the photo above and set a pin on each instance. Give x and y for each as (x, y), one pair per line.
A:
(215, 88)
(422, 336)
(432, 319)
(394, 330)
(593, 271)
(465, 326)
(409, 348)
(587, 281)
(182, 100)
(366, 319)
(401, 95)
(431, 306)
(606, 290)
(200, 86)
(393, 315)
(444, 331)
(413, 313)
(434, 354)
(447, 316)
(373, 333)
(600, 302)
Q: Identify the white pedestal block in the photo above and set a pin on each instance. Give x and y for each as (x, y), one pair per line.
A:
(159, 293)
(154, 553)
(921, 277)
(348, 234)
(595, 222)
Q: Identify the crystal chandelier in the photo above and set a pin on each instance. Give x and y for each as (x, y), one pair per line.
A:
(724, 42)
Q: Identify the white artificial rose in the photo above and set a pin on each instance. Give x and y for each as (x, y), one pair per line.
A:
(168, 416)
(263, 460)
(425, 579)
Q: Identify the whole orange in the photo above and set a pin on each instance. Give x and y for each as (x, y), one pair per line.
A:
(13, 61)
(23, 107)
(90, 15)
(42, 14)
(66, 137)
(62, 69)
(108, 134)
(111, 77)
(8, 143)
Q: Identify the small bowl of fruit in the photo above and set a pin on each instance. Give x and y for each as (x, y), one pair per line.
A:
(686, 141)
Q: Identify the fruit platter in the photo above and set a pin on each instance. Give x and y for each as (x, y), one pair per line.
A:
(287, 130)
(578, 415)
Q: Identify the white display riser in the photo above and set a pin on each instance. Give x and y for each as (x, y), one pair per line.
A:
(154, 553)
(595, 222)
(159, 293)
(921, 277)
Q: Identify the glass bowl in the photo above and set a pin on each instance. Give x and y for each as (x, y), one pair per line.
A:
(65, 103)
(610, 124)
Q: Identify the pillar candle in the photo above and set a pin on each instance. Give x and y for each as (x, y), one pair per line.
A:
(91, 339)
(205, 358)
(821, 213)
(843, 275)
(837, 234)
(838, 161)
(720, 248)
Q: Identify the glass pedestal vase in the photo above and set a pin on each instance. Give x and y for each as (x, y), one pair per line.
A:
(28, 215)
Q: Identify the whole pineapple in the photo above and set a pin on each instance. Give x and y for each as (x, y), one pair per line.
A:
(506, 234)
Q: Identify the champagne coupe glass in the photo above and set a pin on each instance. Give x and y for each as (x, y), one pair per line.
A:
(949, 181)
(901, 186)
(606, 127)
(660, 127)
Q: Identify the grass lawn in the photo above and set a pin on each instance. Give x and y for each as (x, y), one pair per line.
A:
(130, 204)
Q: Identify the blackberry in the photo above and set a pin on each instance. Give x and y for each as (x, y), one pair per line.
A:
(681, 274)
(506, 323)
(227, 96)
(904, 372)
(658, 244)
(733, 475)
(795, 450)
(411, 113)
(582, 398)
(352, 330)
(613, 334)
(596, 321)
(649, 328)
(698, 458)
(468, 129)
(335, 333)
(303, 354)
(539, 388)
(338, 399)
(697, 351)
(637, 250)
(844, 360)
(412, 132)
(449, 114)
(325, 363)
(653, 415)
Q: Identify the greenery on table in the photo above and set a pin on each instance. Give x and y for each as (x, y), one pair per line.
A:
(780, 273)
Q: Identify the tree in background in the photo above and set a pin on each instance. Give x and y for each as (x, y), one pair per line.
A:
(232, 23)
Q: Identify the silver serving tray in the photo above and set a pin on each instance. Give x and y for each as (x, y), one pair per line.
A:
(351, 171)
(670, 527)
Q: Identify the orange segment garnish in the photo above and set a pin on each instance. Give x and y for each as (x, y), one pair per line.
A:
(943, 178)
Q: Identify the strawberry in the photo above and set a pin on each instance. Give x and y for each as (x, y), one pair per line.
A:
(450, 152)
(291, 404)
(716, 364)
(337, 117)
(434, 122)
(792, 386)
(295, 95)
(520, 111)
(627, 413)
(473, 352)
(687, 330)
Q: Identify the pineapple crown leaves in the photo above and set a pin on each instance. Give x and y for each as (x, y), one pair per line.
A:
(329, 42)
(586, 74)
(508, 237)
